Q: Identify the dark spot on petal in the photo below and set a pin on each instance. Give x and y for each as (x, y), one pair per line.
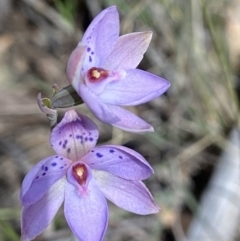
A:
(92, 151)
(56, 156)
(54, 164)
(70, 135)
(99, 154)
(120, 157)
(60, 143)
(44, 174)
(90, 139)
(69, 150)
(42, 167)
(61, 158)
(61, 167)
(79, 137)
(90, 59)
(111, 151)
(88, 49)
(46, 168)
(37, 177)
(86, 139)
(92, 52)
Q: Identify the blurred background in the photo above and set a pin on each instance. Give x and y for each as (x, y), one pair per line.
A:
(195, 149)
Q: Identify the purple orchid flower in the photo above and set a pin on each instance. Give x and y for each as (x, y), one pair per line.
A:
(83, 176)
(102, 71)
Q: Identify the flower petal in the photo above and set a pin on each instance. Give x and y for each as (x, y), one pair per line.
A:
(28, 179)
(42, 176)
(74, 136)
(100, 37)
(129, 121)
(74, 65)
(36, 217)
(99, 109)
(120, 161)
(128, 51)
(132, 196)
(86, 212)
(136, 88)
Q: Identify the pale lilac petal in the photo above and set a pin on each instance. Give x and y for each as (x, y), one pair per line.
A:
(129, 121)
(132, 196)
(128, 51)
(74, 65)
(120, 161)
(86, 212)
(136, 88)
(74, 136)
(36, 217)
(99, 109)
(43, 175)
(100, 37)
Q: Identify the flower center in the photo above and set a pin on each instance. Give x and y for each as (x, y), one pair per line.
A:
(79, 172)
(97, 74)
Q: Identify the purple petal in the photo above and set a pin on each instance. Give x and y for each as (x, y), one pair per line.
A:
(36, 217)
(128, 51)
(28, 179)
(86, 212)
(132, 196)
(74, 65)
(99, 109)
(120, 161)
(136, 88)
(128, 121)
(42, 176)
(74, 136)
(100, 37)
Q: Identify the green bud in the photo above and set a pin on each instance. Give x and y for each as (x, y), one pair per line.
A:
(66, 97)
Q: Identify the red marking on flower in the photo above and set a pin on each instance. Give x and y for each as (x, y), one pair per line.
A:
(97, 74)
(79, 172)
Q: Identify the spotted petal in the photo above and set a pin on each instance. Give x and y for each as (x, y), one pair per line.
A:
(74, 136)
(132, 196)
(136, 88)
(120, 161)
(100, 37)
(86, 211)
(42, 176)
(36, 217)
